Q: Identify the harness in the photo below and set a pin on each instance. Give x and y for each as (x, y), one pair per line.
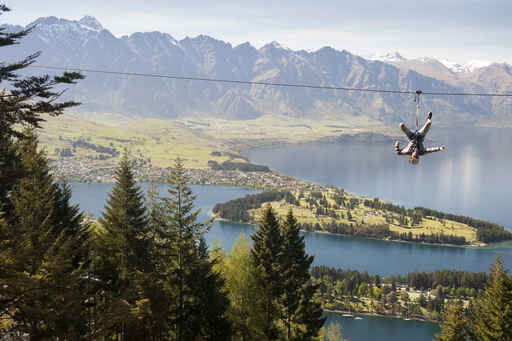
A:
(417, 143)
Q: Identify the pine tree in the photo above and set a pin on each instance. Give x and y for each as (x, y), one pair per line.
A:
(43, 253)
(239, 272)
(17, 105)
(212, 299)
(302, 316)
(492, 315)
(10, 171)
(23, 106)
(186, 267)
(42, 256)
(124, 250)
(267, 255)
(125, 219)
(454, 325)
(159, 300)
(184, 231)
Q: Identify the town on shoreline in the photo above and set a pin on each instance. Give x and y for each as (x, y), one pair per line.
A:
(87, 171)
(73, 170)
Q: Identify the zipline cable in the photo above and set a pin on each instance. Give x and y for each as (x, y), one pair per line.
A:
(217, 80)
(308, 86)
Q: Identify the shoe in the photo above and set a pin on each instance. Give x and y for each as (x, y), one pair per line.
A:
(397, 146)
(429, 116)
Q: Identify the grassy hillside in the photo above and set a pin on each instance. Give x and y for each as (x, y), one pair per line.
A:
(159, 141)
(335, 211)
(104, 136)
(276, 129)
(306, 213)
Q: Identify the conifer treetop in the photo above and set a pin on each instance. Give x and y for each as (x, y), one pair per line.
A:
(492, 315)
(28, 98)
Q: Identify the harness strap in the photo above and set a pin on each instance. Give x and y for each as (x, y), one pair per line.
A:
(417, 100)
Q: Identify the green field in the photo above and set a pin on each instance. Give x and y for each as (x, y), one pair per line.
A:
(368, 216)
(192, 139)
(160, 141)
(279, 129)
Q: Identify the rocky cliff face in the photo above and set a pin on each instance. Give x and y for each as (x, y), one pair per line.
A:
(86, 44)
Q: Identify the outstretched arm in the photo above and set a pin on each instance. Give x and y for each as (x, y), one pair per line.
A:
(404, 151)
(434, 149)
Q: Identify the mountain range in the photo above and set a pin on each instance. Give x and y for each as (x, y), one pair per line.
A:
(85, 43)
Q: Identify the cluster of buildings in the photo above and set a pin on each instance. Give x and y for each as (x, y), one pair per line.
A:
(97, 171)
(263, 180)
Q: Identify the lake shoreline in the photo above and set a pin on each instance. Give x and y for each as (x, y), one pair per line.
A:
(385, 259)
(285, 182)
(217, 217)
(271, 180)
(341, 312)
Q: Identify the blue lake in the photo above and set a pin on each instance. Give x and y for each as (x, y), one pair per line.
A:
(471, 177)
(370, 328)
(374, 256)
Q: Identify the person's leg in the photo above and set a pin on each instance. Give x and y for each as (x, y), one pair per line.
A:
(426, 127)
(407, 132)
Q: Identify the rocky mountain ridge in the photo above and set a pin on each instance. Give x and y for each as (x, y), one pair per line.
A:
(85, 43)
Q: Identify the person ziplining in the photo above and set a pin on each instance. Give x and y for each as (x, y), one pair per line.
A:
(415, 147)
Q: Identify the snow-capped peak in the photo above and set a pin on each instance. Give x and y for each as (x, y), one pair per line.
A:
(274, 44)
(386, 57)
(91, 23)
(55, 29)
(474, 64)
(429, 60)
(470, 66)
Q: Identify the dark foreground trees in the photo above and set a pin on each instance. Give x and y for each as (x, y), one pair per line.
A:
(267, 254)
(43, 252)
(122, 256)
(454, 327)
(288, 308)
(23, 103)
(43, 239)
(156, 277)
(491, 318)
(199, 304)
(269, 286)
(302, 315)
(488, 317)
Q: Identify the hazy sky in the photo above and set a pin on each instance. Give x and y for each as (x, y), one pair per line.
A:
(460, 30)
